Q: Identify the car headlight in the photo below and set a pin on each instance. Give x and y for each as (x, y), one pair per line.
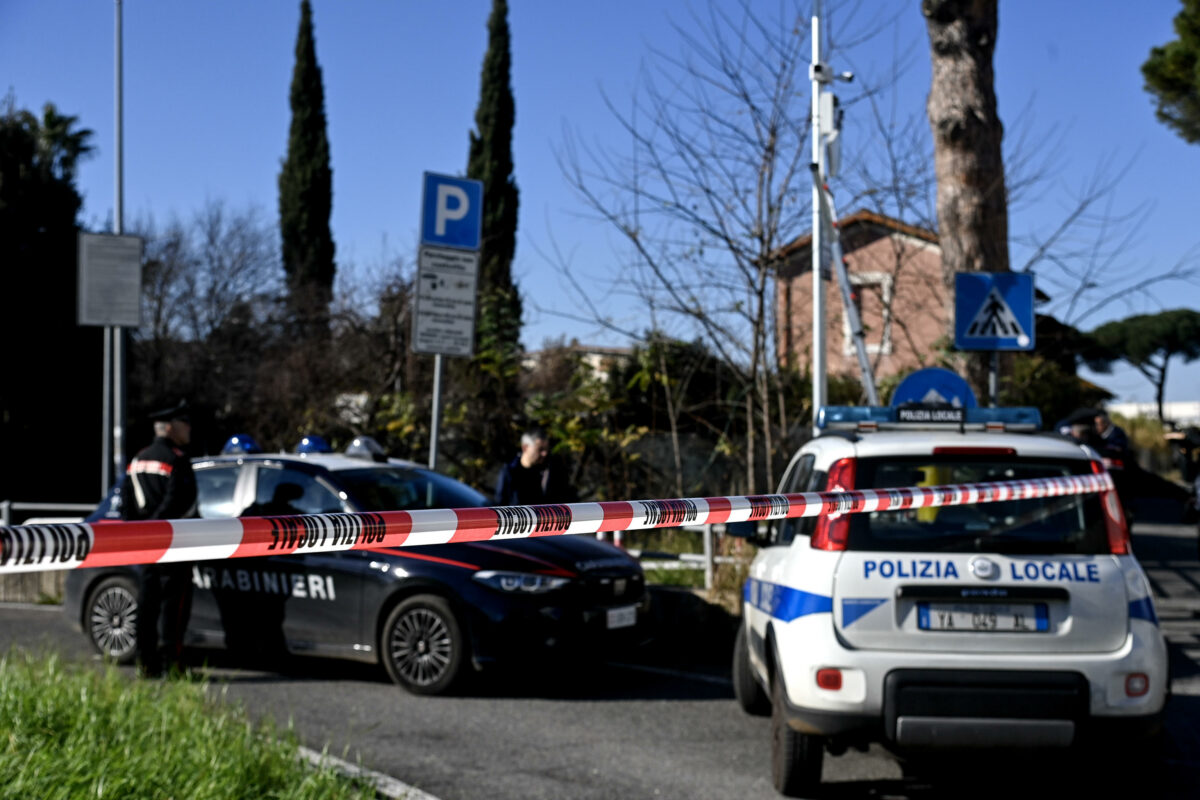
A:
(514, 582)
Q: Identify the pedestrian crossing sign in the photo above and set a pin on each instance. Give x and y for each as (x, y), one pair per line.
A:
(993, 311)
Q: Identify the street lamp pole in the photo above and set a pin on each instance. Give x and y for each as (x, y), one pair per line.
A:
(117, 333)
(819, 366)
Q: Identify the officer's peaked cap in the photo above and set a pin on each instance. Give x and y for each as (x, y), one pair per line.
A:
(180, 411)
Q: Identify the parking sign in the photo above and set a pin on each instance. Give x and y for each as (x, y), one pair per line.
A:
(451, 212)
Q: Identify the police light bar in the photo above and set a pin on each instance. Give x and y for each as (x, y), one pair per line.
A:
(924, 417)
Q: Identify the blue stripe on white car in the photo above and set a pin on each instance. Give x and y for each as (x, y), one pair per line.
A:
(1143, 609)
(785, 603)
(854, 608)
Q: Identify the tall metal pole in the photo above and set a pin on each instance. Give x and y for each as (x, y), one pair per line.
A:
(106, 460)
(437, 410)
(994, 379)
(819, 367)
(118, 347)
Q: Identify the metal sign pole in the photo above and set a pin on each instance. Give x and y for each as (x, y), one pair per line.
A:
(994, 378)
(118, 345)
(106, 416)
(447, 273)
(437, 411)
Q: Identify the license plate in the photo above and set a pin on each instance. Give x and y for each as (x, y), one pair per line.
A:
(623, 617)
(983, 617)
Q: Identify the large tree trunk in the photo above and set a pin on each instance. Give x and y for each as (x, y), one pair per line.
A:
(972, 203)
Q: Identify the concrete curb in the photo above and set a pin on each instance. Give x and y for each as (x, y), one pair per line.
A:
(385, 785)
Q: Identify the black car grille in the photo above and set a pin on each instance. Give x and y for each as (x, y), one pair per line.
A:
(611, 589)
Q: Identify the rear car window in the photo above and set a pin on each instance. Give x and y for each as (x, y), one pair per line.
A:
(396, 489)
(214, 491)
(290, 491)
(1051, 525)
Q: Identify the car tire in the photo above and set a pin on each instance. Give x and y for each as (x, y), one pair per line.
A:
(796, 758)
(422, 645)
(746, 688)
(110, 619)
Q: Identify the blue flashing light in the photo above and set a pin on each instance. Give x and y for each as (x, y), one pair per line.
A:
(853, 415)
(366, 447)
(1016, 415)
(313, 444)
(240, 443)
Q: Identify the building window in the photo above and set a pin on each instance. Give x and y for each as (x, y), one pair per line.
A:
(871, 293)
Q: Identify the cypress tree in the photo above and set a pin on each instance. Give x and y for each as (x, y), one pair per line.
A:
(306, 191)
(498, 326)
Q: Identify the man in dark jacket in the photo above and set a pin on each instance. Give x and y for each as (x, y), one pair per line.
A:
(532, 478)
(160, 484)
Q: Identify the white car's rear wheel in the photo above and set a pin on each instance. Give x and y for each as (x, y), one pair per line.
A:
(796, 758)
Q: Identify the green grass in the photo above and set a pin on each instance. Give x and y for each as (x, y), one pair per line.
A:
(665, 540)
(70, 731)
(692, 578)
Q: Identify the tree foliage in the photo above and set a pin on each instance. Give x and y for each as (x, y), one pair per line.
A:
(39, 205)
(490, 379)
(211, 320)
(1172, 74)
(1148, 342)
(713, 182)
(306, 190)
(972, 202)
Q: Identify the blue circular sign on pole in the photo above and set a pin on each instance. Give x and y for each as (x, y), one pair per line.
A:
(934, 385)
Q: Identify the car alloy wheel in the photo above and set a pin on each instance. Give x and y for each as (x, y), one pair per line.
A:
(423, 645)
(112, 619)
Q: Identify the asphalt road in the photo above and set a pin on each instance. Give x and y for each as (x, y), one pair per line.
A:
(667, 727)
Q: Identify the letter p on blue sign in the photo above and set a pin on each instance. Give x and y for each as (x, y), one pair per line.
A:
(451, 211)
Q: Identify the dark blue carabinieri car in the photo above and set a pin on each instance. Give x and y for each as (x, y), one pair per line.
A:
(429, 614)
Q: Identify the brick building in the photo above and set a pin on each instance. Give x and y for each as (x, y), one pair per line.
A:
(896, 273)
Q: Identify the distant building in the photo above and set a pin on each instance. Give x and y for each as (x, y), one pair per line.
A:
(896, 274)
(600, 360)
(1183, 413)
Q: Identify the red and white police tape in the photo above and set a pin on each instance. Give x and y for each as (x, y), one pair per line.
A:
(67, 546)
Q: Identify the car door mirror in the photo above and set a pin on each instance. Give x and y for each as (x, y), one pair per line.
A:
(747, 530)
(741, 530)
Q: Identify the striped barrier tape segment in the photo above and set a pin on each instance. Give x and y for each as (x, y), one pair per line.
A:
(34, 548)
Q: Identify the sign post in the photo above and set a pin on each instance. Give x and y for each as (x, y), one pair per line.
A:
(110, 295)
(993, 311)
(447, 271)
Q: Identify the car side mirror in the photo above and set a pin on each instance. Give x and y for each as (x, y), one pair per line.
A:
(748, 530)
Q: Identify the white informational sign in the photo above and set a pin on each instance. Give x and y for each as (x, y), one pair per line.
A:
(444, 321)
(110, 280)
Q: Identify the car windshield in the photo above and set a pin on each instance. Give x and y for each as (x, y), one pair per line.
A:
(400, 489)
(1049, 525)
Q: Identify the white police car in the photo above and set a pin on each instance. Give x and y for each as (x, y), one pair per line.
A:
(1013, 624)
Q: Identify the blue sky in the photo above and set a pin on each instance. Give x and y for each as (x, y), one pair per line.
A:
(206, 115)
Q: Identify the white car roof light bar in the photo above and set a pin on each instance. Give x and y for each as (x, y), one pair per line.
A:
(923, 417)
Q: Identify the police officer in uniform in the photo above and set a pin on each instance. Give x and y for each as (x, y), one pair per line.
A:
(160, 484)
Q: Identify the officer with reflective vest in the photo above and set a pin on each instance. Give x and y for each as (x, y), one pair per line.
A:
(160, 484)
